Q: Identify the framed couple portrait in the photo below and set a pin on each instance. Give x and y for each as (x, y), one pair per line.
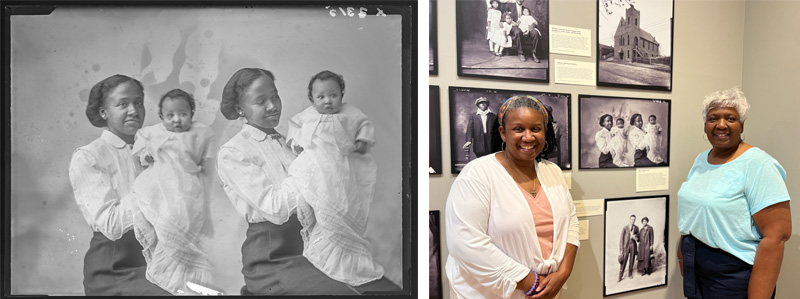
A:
(60, 54)
(473, 135)
(617, 132)
(636, 238)
(507, 41)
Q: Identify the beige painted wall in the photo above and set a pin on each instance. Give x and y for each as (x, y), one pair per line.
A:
(711, 39)
(771, 74)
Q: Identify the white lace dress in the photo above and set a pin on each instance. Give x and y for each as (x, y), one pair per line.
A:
(170, 207)
(337, 187)
(653, 140)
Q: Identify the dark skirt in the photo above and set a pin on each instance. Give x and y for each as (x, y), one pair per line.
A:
(713, 273)
(606, 161)
(116, 268)
(640, 159)
(273, 263)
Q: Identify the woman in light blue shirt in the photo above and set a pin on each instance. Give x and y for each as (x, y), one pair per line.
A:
(733, 210)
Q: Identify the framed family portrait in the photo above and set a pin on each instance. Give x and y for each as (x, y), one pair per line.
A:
(434, 256)
(634, 44)
(623, 132)
(433, 50)
(636, 234)
(512, 43)
(435, 134)
(473, 135)
(88, 79)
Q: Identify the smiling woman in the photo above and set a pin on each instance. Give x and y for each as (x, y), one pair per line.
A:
(734, 199)
(524, 197)
(102, 174)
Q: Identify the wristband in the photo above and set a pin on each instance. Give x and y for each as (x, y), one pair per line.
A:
(535, 282)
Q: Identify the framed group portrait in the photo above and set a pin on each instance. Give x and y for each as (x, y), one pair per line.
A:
(636, 235)
(474, 127)
(435, 134)
(62, 58)
(512, 43)
(433, 48)
(634, 44)
(623, 132)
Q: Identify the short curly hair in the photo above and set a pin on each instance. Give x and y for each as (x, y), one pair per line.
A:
(98, 94)
(527, 101)
(603, 118)
(176, 93)
(237, 84)
(729, 98)
(322, 76)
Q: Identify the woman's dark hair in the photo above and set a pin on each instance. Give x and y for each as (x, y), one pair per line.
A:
(325, 75)
(176, 93)
(603, 118)
(633, 118)
(99, 93)
(530, 102)
(241, 80)
(645, 218)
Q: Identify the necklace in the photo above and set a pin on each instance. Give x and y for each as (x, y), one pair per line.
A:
(505, 154)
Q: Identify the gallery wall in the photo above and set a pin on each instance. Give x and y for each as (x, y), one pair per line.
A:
(757, 54)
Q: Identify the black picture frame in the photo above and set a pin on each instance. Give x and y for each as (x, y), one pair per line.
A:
(433, 40)
(635, 44)
(435, 134)
(637, 149)
(434, 256)
(651, 272)
(475, 59)
(403, 16)
(463, 107)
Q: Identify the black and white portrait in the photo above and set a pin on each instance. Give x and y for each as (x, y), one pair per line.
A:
(474, 125)
(273, 92)
(434, 257)
(506, 39)
(634, 44)
(623, 132)
(635, 238)
(433, 52)
(435, 134)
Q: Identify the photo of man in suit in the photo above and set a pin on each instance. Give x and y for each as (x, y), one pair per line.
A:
(479, 129)
(627, 247)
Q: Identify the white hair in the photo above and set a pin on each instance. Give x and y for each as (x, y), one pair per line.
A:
(733, 98)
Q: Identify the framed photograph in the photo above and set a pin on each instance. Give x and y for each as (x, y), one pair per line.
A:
(634, 44)
(59, 53)
(433, 55)
(623, 132)
(434, 257)
(635, 251)
(435, 135)
(512, 43)
(468, 140)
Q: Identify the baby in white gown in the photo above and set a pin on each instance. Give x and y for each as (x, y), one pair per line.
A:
(653, 140)
(170, 207)
(337, 173)
(619, 143)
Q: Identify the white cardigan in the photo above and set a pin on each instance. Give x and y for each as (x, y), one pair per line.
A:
(491, 234)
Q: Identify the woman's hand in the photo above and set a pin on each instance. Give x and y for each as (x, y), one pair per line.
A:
(680, 255)
(549, 285)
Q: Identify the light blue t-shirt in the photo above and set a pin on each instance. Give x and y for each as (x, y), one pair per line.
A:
(717, 202)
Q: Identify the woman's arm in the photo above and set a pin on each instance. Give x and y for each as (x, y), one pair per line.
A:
(680, 254)
(602, 142)
(99, 203)
(551, 284)
(243, 179)
(775, 224)
(467, 218)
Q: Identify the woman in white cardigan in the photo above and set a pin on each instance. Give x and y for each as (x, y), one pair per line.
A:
(512, 230)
